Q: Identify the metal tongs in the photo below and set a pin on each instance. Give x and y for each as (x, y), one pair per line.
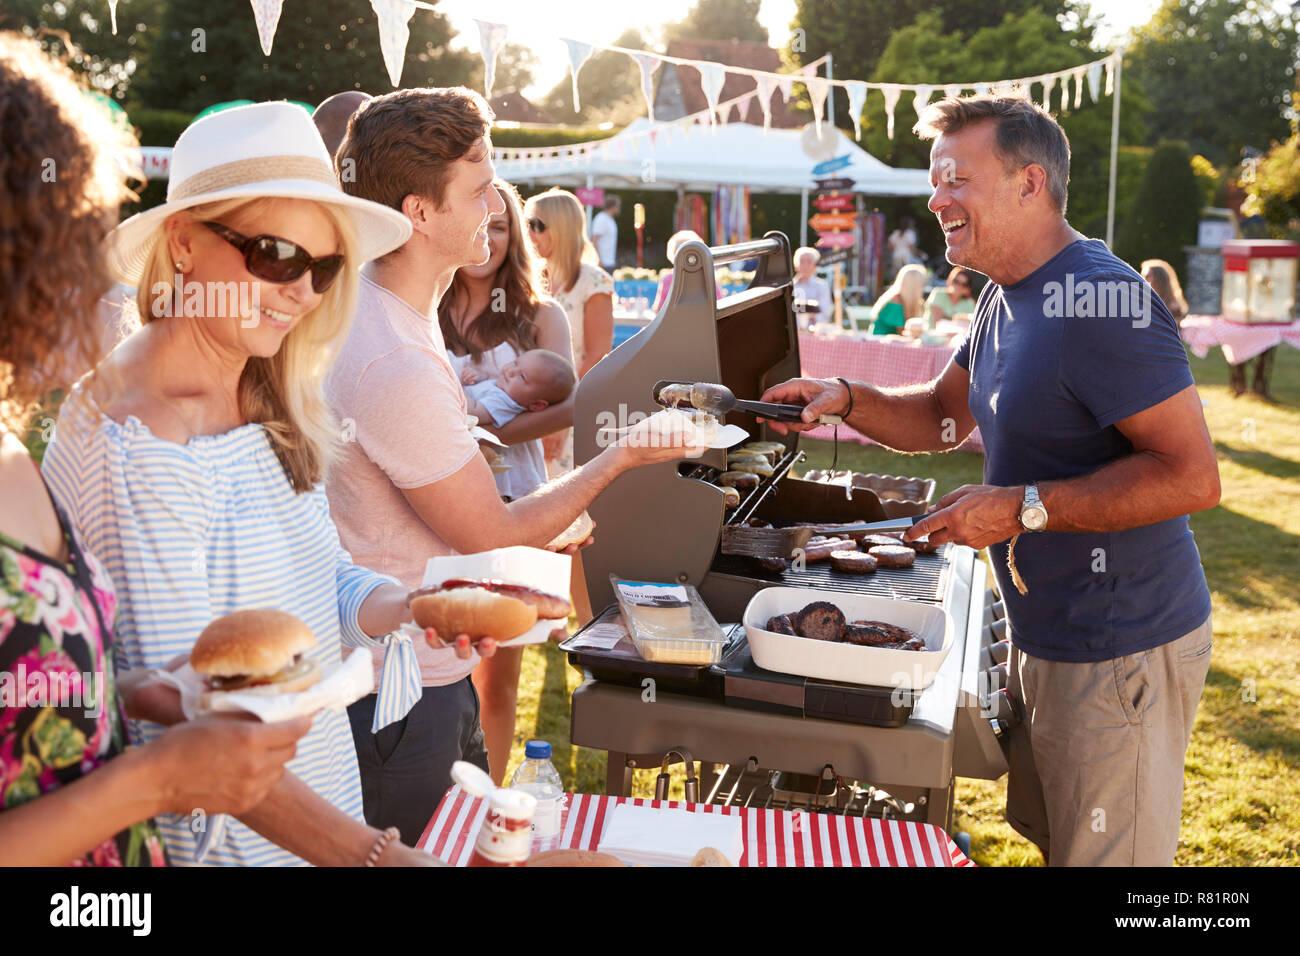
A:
(718, 400)
(783, 542)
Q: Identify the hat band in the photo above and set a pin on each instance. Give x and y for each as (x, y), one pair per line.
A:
(246, 172)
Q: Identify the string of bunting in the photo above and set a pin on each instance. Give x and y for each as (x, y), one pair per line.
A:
(394, 17)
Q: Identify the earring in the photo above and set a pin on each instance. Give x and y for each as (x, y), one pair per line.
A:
(179, 266)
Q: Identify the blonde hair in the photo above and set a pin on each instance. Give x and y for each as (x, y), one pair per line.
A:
(1163, 280)
(285, 393)
(677, 238)
(570, 246)
(909, 285)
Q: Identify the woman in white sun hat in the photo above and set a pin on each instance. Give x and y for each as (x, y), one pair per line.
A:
(191, 459)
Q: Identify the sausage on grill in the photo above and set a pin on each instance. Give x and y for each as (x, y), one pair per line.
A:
(876, 634)
(781, 624)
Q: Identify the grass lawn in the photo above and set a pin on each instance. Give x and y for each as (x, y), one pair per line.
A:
(1241, 805)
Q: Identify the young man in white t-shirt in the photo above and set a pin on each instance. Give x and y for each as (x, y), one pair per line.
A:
(410, 482)
(604, 233)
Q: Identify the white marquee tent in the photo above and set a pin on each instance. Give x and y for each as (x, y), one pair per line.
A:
(697, 158)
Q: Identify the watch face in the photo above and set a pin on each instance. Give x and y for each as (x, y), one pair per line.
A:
(1035, 519)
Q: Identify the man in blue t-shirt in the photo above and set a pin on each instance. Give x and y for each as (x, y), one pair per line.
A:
(1096, 451)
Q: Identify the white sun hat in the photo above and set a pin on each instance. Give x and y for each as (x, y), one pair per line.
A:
(266, 149)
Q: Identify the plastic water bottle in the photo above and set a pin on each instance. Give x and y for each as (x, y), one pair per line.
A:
(538, 776)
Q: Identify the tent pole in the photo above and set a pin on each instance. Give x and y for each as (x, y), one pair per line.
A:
(803, 219)
(1114, 153)
(590, 209)
(830, 90)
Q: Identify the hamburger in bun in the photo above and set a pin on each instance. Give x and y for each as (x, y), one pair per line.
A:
(483, 607)
(254, 652)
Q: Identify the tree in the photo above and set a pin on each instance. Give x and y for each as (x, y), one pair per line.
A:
(719, 20)
(1273, 189)
(1165, 212)
(515, 66)
(108, 60)
(857, 32)
(1217, 72)
(1030, 44)
(609, 86)
(205, 53)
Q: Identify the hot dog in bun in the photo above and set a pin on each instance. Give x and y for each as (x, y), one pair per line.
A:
(256, 651)
(484, 608)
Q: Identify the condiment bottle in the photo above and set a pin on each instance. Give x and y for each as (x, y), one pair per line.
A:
(506, 837)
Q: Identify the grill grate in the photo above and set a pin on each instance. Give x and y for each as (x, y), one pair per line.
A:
(754, 787)
(923, 581)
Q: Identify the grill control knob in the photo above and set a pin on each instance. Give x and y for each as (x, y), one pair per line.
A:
(1002, 708)
(1000, 652)
(997, 677)
(999, 629)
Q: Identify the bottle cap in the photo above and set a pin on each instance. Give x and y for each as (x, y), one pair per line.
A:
(538, 749)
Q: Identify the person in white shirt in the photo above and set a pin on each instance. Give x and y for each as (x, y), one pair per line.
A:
(810, 289)
(604, 232)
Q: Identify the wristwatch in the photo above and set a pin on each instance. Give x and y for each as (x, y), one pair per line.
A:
(1033, 515)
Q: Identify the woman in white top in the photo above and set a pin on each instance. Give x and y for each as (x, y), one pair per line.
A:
(483, 335)
(192, 458)
(558, 230)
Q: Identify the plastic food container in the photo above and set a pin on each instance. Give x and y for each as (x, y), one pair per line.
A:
(669, 623)
(849, 663)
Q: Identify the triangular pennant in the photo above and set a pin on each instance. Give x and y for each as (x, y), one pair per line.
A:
(1110, 74)
(857, 94)
(647, 64)
(112, 15)
(1049, 84)
(267, 15)
(891, 92)
(578, 53)
(491, 38)
(921, 98)
(818, 87)
(393, 16)
(712, 78)
(785, 83)
(1002, 88)
(981, 88)
(952, 92)
(1094, 80)
(766, 85)
(1078, 86)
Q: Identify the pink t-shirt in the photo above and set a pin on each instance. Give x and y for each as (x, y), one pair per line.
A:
(402, 414)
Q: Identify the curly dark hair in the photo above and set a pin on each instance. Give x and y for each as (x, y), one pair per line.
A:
(60, 166)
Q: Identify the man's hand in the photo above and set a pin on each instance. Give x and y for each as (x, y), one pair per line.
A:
(818, 396)
(974, 515)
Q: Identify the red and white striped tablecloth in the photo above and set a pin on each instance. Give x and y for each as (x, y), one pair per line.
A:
(875, 360)
(771, 837)
(1240, 341)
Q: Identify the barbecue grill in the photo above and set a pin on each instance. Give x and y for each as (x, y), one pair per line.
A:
(765, 739)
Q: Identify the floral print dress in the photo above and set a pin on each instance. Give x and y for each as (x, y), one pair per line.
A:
(60, 717)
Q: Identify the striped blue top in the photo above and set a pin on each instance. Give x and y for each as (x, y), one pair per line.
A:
(191, 532)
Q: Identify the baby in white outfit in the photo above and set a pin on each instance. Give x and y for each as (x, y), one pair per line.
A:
(535, 380)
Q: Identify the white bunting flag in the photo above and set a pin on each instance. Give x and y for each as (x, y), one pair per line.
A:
(1094, 80)
(394, 17)
(112, 15)
(578, 53)
(785, 83)
(921, 98)
(818, 88)
(857, 94)
(1078, 86)
(1110, 75)
(267, 15)
(891, 92)
(766, 85)
(1049, 84)
(712, 78)
(491, 38)
(952, 92)
(648, 64)
(981, 87)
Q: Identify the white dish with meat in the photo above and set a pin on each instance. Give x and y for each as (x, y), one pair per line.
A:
(904, 643)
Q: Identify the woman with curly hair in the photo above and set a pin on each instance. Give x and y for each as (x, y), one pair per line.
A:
(485, 330)
(71, 790)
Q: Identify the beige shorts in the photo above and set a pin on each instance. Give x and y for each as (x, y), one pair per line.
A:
(1097, 763)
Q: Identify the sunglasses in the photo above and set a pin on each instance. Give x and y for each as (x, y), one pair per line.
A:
(279, 260)
(536, 225)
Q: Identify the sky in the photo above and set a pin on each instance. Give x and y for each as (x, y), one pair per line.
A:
(537, 26)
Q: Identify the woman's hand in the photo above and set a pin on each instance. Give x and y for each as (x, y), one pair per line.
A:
(222, 764)
(399, 854)
(145, 697)
(462, 645)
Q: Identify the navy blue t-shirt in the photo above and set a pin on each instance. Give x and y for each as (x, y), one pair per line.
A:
(1055, 360)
